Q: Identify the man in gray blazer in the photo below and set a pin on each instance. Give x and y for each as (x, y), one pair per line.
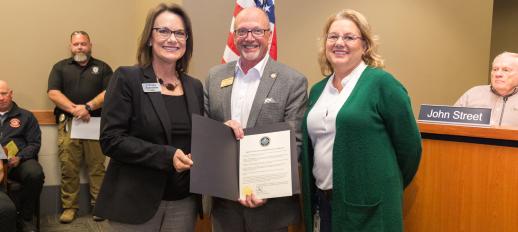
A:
(251, 92)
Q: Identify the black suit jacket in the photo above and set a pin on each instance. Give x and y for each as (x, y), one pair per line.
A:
(135, 131)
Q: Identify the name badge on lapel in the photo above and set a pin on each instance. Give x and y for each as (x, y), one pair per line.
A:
(226, 82)
(151, 87)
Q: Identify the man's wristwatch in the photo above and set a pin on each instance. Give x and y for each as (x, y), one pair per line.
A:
(88, 108)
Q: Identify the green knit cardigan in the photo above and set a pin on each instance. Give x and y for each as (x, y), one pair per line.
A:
(376, 154)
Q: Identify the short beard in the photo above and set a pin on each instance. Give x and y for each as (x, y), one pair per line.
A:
(81, 57)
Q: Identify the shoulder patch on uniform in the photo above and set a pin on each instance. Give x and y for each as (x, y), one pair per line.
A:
(14, 123)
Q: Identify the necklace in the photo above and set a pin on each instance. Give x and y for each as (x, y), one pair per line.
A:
(170, 86)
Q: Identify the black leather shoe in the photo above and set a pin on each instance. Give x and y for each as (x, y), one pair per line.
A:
(98, 219)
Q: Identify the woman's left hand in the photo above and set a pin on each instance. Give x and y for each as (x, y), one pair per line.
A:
(252, 202)
(181, 161)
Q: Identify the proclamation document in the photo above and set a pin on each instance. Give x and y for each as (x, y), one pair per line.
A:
(264, 162)
(265, 165)
(86, 130)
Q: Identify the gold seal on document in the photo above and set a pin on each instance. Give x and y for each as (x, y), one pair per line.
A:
(247, 190)
(227, 82)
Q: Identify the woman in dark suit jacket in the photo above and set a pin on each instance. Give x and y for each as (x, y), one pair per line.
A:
(146, 130)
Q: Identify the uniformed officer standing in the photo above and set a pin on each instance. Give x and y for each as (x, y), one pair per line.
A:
(20, 135)
(77, 86)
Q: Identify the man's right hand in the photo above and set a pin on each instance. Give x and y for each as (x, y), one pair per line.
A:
(236, 127)
(80, 112)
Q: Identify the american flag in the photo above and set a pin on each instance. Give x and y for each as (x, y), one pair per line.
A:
(231, 53)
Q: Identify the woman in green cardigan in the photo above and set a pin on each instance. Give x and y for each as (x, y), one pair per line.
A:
(361, 142)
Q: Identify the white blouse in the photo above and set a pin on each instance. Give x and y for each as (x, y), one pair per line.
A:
(321, 125)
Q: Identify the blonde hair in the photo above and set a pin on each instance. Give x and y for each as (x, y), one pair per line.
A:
(370, 56)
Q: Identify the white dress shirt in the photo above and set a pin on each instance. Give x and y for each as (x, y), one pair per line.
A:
(321, 125)
(244, 89)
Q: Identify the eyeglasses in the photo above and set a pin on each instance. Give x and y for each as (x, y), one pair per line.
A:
(346, 38)
(256, 32)
(165, 33)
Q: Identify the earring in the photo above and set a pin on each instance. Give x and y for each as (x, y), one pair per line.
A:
(149, 44)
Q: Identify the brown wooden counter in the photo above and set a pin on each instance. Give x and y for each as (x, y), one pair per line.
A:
(467, 180)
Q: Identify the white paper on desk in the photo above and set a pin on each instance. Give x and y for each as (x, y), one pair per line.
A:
(265, 165)
(2, 154)
(86, 130)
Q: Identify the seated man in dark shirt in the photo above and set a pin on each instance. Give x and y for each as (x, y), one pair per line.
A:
(20, 135)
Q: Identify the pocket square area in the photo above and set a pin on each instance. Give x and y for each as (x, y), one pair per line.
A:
(269, 100)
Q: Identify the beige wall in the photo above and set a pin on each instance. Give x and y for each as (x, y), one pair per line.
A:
(504, 35)
(437, 49)
(35, 35)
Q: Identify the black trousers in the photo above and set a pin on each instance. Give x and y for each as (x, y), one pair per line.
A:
(7, 213)
(30, 174)
(324, 208)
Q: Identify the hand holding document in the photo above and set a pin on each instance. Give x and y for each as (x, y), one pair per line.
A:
(263, 162)
(11, 149)
(86, 130)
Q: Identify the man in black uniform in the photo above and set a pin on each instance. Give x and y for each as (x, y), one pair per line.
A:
(77, 86)
(20, 135)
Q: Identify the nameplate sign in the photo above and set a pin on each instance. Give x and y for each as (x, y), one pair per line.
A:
(455, 115)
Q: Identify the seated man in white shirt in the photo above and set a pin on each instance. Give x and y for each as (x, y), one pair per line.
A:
(501, 95)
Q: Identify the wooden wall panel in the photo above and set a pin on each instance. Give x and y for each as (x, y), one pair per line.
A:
(44, 117)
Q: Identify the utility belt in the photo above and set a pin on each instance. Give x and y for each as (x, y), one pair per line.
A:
(64, 118)
(61, 115)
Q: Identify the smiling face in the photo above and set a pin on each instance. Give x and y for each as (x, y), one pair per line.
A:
(504, 74)
(252, 49)
(344, 55)
(167, 50)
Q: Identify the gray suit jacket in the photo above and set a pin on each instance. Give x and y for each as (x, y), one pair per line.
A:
(286, 91)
